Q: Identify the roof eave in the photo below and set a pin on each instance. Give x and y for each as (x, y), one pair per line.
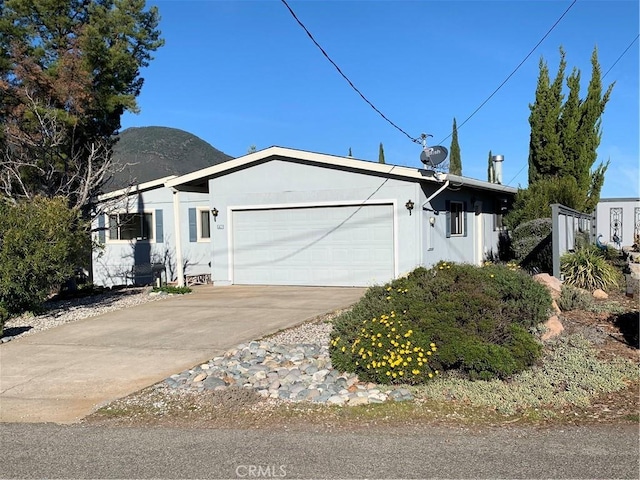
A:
(471, 182)
(133, 189)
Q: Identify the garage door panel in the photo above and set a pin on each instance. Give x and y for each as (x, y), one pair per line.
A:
(346, 245)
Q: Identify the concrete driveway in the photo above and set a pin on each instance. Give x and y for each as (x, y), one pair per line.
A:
(63, 374)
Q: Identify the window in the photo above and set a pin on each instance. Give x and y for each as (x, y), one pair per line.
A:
(204, 230)
(501, 206)
(131, 226)
(456, 219)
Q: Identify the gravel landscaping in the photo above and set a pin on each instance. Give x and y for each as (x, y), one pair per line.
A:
(59, 312)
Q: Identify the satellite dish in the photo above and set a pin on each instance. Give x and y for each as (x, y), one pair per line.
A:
(432, 156)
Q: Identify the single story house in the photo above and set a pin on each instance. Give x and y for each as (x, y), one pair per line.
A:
(618, 221)
(281, 216)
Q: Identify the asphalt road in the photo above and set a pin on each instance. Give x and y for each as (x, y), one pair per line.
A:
(77, 451)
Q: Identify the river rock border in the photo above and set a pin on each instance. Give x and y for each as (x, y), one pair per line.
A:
(292, 373)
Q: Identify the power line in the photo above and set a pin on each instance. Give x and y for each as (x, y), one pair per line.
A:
(515, 70)
(610, 68)
(621, 55)
(345, 77)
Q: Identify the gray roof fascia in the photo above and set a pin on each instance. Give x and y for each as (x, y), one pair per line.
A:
(620, 199)
(457, 180)
(138, 188)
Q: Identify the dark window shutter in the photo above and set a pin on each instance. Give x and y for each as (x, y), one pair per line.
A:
(113, 227)
(464, 219)
(159, 227)
(447, 206)
(193, 225)
(102, 234)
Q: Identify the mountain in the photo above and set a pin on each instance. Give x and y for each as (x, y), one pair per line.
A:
(143, 154)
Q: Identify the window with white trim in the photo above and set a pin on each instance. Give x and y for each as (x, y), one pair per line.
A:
(204, 224)
(456, 218)
(131, 226)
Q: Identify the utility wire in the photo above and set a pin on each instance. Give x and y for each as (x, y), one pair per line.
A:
(610, 68)
(515, 70)
(621, 55)
(415, 140)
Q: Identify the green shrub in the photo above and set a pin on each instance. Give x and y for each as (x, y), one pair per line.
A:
(531, 245)
(4, 316)
(41, 243)
(80, 291)
(535, 201)
(572, 298)
(387, 350)
(582, 239)
(172, 289)
(477, 318)
(587, 268)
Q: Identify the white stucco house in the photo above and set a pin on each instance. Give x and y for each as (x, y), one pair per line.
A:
(281, 216)
(618, 221)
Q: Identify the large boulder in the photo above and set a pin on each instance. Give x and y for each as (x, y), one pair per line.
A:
(552, 283)
(553, 328)
(553, 325)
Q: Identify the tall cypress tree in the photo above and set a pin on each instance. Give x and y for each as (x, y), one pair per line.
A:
(381, 154)
(565, 135)
(455, 162)
(545, 152)
(583, 130)
(491, 175)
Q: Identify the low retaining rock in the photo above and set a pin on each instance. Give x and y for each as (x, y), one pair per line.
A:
(293, 373)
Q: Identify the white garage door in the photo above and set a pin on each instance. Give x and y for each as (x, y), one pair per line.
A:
(338, 246)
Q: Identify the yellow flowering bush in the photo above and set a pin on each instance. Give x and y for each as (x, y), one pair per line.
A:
(480, 318)
(386, 350)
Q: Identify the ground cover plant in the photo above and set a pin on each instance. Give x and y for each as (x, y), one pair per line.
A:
(571, 375)
(171, 289)
(572, 298)
(476, 320)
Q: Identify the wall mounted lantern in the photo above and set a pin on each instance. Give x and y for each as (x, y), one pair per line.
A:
(432, 221)
(214, 212)
(409, 206)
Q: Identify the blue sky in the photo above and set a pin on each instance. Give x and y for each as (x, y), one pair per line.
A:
(242, 73)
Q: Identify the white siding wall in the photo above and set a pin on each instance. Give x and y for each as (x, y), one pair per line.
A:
(628, 207)
(113, 261)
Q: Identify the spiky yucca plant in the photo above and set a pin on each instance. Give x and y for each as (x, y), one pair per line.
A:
(587, 268)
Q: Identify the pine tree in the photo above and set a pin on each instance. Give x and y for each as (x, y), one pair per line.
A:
(381, 154)
(69, 69)
(491, 177)
(455, 162)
